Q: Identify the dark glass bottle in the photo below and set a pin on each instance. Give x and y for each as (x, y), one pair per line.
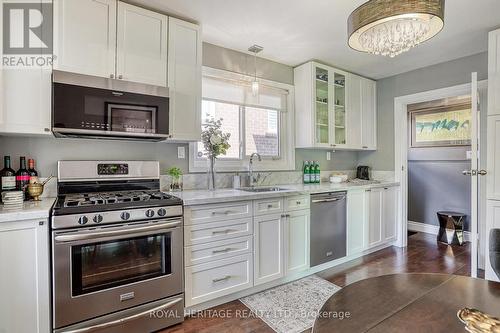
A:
(31, 170)
(22, 177)
(7, 177)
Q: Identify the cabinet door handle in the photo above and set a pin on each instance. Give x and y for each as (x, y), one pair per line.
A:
(226, 212)
(112, 76)
(120, 77)
(225, 231)
(298, 202)
(269, 206)
(227, 249)
(365, 147)
(46, 129)
(41, 223)
(225, 278)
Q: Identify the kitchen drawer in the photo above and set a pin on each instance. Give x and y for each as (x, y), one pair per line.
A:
(199, 254)
(210, 232)
(218, 212)
(218, 278)
(297, 202)
(268, 206)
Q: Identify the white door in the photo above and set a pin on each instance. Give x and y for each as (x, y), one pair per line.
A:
(375, 226)
(297, 241)
(369, 114)
(390, 213)
(85, 36)
(184, 79)
(25, 279)
(268, 247)
(474, 173)
(356, 222)
(141, 45)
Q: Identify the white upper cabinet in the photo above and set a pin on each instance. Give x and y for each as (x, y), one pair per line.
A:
(494, 73)
(85, 36)
(141, 53)
(368, 114)
(184, 79)
(334, 109)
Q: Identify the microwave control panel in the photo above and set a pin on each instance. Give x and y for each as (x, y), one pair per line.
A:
(112, 169)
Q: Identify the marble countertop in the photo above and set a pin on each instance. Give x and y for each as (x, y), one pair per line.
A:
(200, 197)
(31, 210)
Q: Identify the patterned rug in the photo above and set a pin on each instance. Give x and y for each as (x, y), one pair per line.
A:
(293, 307)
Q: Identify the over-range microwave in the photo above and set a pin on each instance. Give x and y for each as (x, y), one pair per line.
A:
(85, 106)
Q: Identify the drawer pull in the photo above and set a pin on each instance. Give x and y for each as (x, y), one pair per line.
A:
(225, 278)
(227, 249)
(269, 206)
(227, 212)
(224, 231)
(298, 202)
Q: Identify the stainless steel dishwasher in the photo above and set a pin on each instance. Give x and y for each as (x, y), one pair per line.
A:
(328, 227)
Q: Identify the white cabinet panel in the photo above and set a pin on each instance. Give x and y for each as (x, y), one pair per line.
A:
(217, 212)
(357, 223)
(375, 232)
(354, 116)
(297, 241)
(390, 213)
(210, 232)
(184, 79)
(268, 206)
(141, 45)
(493, 176)
(268, 247)
(215, 279)
(494, 73)
(493, 222)
(199, 254)
(368, 114)
(85, 36)
(24, 281)
(300, 202)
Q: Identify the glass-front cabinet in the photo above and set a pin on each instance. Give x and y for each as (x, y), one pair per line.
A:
(330, 107)
(334, 109)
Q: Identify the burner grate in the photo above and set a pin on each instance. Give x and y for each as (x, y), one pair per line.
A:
(110, 198)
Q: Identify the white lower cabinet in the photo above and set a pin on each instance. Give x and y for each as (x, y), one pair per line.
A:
(25, 280)
(390, 213)
(268, 248)
(357, 240)
(219, 278)
(382, 215)
(375, 226)
(297, 241)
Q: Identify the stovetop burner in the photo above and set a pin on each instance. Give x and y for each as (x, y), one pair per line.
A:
(110, 198)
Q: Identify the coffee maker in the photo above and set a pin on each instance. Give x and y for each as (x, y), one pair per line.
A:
(363, 172)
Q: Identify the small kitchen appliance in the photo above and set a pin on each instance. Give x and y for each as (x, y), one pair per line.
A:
(363, 172)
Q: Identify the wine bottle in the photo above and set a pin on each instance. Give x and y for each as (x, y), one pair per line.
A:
(32, 172)
(22, 177)
(7, 176)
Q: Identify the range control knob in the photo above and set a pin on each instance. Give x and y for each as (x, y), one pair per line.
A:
(150, 213)
(162, 212)
(83, 220)
(97, 218)
(125, 215)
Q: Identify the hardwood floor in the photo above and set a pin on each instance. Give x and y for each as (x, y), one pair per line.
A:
(423, 255)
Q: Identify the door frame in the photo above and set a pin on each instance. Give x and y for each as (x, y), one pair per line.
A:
(401, 146)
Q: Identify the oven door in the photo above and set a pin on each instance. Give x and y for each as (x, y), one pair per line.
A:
(101, 270)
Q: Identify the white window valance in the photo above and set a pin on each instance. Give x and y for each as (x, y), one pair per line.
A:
(240, 92)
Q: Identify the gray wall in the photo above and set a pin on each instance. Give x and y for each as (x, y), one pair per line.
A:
(443, 75)
(436, 183)
(47, 151)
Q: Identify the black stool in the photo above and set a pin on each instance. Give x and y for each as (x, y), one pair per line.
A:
(451, 227)
(495, 251)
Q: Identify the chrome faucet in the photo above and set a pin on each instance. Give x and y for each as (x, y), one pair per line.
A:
(252, 180)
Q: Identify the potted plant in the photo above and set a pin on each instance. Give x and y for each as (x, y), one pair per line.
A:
(216, 143)
(175, 174)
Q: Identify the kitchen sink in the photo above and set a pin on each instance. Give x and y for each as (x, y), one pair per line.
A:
(263, 189)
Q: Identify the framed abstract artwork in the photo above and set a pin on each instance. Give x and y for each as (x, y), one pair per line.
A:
(438, 127)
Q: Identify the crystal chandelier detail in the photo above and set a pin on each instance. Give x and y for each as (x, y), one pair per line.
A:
(391, 27)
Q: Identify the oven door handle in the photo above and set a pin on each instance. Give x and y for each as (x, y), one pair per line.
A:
(126, 319)
(110, 233)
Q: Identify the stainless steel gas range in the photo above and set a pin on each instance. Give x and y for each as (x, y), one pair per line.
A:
(116, 249)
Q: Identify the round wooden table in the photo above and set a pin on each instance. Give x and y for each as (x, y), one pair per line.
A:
(407, 303)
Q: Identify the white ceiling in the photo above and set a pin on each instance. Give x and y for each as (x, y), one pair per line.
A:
(295, 31)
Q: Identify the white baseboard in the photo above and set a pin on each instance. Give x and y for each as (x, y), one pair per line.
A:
(431, 229)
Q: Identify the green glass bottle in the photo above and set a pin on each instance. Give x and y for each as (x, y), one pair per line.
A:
(317, 173)
(307, 173)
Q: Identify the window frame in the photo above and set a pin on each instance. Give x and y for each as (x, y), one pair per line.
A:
(286, 126)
